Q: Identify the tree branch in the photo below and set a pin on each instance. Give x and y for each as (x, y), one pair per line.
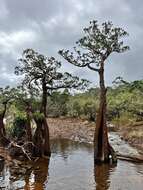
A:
(92, 68)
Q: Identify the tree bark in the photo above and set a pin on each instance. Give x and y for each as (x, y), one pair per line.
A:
(47, 151)
(38, 139)
(46, 138)
(2, 127)
(28, 125)
(3, 140)
(41, 138)
(102, 148)
(2, 115)
(44, 98)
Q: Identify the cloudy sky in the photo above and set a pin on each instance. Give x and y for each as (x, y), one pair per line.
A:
(50, 25)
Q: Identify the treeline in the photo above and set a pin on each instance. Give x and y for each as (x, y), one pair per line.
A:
(124, 103)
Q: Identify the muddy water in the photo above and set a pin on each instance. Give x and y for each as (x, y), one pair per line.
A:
(71, 168)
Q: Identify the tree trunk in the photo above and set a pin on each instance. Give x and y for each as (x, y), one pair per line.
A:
(102, 148)
(47, 151)
(28, 125)
(44, 98)
(3, 140)
(2, 115)
(46, 138)
(2, 127)
(41, 138)
(38, 139)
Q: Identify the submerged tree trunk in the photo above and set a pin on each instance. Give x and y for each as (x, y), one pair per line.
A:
(102, 148)
(41, 138)
(38, 139)
(47, 151)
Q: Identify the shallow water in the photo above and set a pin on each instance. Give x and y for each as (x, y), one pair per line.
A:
(71, 168)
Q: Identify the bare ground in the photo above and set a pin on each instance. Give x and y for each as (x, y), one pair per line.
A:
(83, 131)
(69, 128)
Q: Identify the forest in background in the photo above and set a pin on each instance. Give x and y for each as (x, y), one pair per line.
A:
(124, 103)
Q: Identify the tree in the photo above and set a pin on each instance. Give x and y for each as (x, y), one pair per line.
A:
(93, 49)
(43, 73)
(6, 96)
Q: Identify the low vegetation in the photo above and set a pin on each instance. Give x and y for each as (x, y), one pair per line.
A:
(124, 100)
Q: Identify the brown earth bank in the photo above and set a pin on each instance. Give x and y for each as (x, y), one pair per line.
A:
(71, 128)
(83, 131)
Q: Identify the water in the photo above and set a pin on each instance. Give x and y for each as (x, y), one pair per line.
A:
(71, 168)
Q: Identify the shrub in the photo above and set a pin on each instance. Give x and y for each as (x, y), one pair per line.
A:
(19, 126)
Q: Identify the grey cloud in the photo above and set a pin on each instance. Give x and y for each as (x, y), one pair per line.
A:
(50, 25)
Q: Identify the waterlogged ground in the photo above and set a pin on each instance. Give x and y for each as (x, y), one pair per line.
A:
(71, 168)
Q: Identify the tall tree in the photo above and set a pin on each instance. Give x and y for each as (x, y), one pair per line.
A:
(98, 43)
(43, 73)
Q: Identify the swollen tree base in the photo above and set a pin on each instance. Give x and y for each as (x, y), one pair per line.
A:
(110, 158)
(103, 151)
(41, 139)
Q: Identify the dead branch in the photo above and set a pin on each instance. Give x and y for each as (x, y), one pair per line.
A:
(136, 159)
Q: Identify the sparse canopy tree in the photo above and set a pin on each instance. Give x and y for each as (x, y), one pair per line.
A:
(42, 72)
(6, 96)
(93, 49)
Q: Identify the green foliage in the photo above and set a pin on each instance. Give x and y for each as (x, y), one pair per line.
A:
(7, 95)
(38, 116)
(19, 126)
(84, 104)
(57, 104)
(124, 103)
(75, 109)
(90, 111)
(92, 50)
(126, 98)
(96, 45)
(39, 70)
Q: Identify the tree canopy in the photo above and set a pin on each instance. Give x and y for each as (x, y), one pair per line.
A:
(38, 68)
(96, 45)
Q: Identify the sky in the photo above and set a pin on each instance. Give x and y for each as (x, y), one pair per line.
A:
(50, 25)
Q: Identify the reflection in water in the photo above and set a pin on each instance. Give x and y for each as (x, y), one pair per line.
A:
(39, 175)
(27, 180)
(1, 164)
(102, 176)
(71, 168)
(65, 147)
(1, 168)
(26, 176)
